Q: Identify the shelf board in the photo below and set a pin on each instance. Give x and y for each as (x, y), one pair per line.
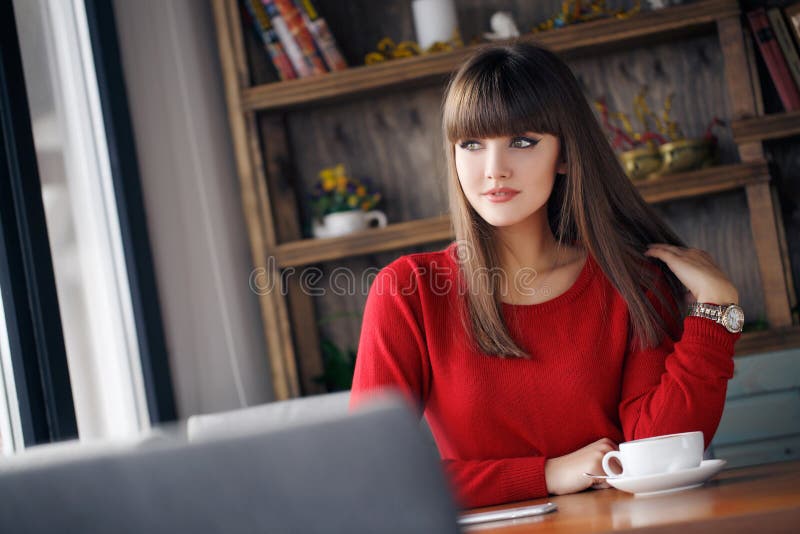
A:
(589, 37)
(774, 126)
(703, 182)
(768, 341)
(392, 237)
(425, 231)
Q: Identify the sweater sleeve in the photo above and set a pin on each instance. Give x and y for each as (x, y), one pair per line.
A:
(392, 352)
(678, 386)
(486, 482)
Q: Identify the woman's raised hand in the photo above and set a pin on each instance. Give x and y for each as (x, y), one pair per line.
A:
(565, 473)
(697, 271)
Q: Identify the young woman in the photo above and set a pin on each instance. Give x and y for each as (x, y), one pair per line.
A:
(552, 329)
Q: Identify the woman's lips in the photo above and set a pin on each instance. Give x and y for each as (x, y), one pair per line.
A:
(501, 194)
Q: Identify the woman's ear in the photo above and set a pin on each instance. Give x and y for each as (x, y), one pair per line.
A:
(562, 167)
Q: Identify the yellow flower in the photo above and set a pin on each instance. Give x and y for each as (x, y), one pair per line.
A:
(352, 201)
(326, 174)
(366, 205)
(339, 170)
(328, 183)
(341, 184)
(361, 191)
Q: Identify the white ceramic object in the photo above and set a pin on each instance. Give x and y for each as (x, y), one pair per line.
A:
(434, 20)
(347, 222)
(503, 27)
(659, 454)
(668, 482)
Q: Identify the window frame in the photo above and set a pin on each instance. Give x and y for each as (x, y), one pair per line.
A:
(32, 316)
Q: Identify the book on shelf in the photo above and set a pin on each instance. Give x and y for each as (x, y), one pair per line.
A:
(323, 37)
(302, 36)
(786, 43)
(272, 43)
(301, 65)
(773, 57)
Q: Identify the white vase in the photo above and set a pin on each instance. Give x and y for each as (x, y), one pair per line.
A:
(347, 222)
(434, 20)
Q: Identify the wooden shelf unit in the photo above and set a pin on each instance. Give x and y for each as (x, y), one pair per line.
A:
(273, 225)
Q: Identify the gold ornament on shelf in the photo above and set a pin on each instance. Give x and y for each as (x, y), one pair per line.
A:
(387, 49)
(660, 147)
(575, 11)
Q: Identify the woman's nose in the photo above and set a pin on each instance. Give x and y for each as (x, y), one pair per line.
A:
(497, 165)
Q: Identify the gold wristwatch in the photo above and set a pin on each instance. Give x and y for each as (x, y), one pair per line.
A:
(731, 316)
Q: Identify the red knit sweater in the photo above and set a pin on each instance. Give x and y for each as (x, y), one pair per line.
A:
(496, 420)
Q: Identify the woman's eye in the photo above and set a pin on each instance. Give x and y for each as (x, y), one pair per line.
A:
(523, 142)
(470, 145)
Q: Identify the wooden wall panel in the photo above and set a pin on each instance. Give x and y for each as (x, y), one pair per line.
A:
(395, 140)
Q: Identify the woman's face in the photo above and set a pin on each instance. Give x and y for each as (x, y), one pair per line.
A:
(508, 179)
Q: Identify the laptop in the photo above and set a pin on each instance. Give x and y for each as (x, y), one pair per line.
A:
(371, 471)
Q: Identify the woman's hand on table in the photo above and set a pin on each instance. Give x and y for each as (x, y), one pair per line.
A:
(565, 473)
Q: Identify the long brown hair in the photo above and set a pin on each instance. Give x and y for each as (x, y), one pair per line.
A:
(505, 90)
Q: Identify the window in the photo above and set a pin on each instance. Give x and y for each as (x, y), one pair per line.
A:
(73, 245)
(10, 428)
(82, 221)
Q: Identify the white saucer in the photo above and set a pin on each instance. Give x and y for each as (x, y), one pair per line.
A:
(669, 482)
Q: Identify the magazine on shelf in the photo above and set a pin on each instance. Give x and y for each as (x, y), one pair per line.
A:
(301, 65)
(272, 43)
(302, 36)
(323, 38)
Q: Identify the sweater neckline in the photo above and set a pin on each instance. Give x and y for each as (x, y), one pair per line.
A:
(566, 297)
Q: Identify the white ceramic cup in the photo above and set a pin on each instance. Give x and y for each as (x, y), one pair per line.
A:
(347, 222)
(659, 454)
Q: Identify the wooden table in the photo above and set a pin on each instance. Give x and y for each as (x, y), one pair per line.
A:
(764, 498)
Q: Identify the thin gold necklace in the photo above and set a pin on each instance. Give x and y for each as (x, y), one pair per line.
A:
(541, 285)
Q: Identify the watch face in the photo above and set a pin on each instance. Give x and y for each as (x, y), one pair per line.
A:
(734, 319)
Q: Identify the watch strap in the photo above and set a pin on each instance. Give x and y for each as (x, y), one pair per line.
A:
(707, 310)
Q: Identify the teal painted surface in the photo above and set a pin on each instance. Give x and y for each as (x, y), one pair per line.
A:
(761, 421)
(759, 452)
(760, 417)
(761, 373)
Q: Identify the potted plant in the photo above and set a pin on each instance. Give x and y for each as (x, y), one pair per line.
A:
(343, 205)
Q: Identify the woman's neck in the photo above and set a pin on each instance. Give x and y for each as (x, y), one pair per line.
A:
(530, 244)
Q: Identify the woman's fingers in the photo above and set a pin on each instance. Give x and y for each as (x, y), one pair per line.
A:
(659, 250)
(668, 248)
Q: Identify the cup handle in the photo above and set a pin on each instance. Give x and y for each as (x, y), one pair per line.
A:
(376, 216)
(607, 468)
